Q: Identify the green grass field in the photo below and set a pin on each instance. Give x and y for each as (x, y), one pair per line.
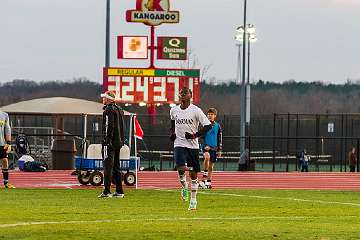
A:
(154, 214)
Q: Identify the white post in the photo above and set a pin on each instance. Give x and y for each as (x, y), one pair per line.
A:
(84, 137)
(135, 153)
(52, 137)
(130, 131)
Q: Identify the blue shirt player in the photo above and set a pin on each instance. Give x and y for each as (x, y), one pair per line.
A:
(212, 146)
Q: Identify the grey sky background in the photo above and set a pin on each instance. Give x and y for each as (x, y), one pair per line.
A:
(304, 40)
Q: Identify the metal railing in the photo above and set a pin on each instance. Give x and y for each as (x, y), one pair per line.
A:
(267, 153)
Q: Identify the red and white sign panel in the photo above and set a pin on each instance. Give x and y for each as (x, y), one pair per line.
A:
(143, 85)
(152, 12)
(132, 47)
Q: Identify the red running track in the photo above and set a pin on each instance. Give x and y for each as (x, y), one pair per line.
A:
(221, 180)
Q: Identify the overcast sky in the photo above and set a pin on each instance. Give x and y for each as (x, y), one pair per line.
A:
(304, 40)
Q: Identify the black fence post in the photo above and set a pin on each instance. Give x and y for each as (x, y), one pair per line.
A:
(161, 162)
(223, 165)
(287, 142)
(281, 139)
(249, 147)
(346, 134)
(357, 153)
(296, 140)
(273, 150)
(331, 163)
(342, 143)
(352, 131)
(317, 142)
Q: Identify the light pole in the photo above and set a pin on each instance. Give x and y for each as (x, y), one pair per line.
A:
(242, 89)
(247, 33)
(238, 40)
(251, 38)
(107, 35)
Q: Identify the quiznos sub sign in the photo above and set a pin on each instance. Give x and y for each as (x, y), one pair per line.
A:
(173, 48)
(152, 12)
(135, 85)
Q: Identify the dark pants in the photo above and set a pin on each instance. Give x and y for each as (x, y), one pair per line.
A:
(304, 168)
(112, 169)
(352, 168)
(242, 167)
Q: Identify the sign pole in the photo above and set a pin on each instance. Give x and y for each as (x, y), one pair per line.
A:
(152, 46)
(243, 89)
(107, 41)
(151, 107)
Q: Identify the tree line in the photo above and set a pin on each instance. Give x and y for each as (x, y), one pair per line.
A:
(266, 97)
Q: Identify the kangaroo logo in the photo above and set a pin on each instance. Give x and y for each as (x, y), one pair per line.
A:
(154, 5)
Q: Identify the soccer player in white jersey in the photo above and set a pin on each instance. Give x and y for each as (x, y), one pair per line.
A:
(185, 121)
(5, 146)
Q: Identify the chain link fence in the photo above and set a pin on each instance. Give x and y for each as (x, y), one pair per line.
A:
(274, 141)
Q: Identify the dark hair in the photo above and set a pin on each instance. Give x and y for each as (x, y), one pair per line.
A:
(186, 89)
(212, 110)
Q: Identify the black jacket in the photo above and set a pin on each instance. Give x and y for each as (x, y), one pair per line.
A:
(113, 126)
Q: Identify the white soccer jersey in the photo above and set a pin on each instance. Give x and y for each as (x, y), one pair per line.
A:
(187, 120)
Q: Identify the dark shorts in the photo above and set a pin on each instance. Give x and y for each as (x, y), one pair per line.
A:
(3, 153)
(189, 156)
(213, 156)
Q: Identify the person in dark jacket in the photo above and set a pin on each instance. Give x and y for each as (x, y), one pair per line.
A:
(304, 161)
(113, 140)
(352, 159)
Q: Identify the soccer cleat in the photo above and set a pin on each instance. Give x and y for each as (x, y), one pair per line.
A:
(185, 194)
(202, 185)
(105, 195)
(118, 195)
(9, 185)
(192, 205)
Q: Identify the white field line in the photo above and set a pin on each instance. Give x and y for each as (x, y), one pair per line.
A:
(269, 197)
(291, 218)
(290, 199)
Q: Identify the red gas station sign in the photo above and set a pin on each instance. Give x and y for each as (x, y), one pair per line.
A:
(152, 12)
(151, 85)
(136, 85)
